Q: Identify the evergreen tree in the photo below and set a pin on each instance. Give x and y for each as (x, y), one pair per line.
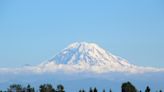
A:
(29, 88)
(60, 88)
(95, 90)
(83, 90)
(46, 88)
(15, 88)
(147, 89)
(110, 90)
(128, 87)
(90, 90)
(103, 90)
(160, 90)
(80, 90)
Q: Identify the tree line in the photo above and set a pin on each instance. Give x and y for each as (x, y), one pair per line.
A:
(125, 87)
(29, 88)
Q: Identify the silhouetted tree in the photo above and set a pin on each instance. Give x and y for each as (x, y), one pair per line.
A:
(110, 90)
(46, 88)
(90, 90)
(83, 90)
(95, 89)
(147, 89)
(60, 88)
(15, 88)
(80, 90)
(128, 87)
(29, 88)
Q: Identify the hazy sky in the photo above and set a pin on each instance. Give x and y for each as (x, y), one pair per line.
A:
(33, 31)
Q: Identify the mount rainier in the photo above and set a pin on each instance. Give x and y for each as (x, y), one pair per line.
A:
(82, 65)
(83, 57)
(90, 57)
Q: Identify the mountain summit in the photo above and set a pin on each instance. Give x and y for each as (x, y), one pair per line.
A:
(91, 54)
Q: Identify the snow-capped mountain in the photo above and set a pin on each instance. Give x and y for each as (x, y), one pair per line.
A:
(83, 57)
(79, 63)
(88, 53)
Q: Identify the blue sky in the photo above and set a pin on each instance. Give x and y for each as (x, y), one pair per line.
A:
(33, 31)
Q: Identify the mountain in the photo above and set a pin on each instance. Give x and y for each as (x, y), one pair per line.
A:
(88, 53)
(84, 57)
(91, 57)
(84, 65)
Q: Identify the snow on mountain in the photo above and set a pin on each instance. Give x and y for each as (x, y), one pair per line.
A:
(83, 65)
(83, 57)
(87, 53)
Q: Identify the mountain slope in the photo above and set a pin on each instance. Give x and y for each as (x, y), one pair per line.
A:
(88, 53)
(90, 57)
(83, 57)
